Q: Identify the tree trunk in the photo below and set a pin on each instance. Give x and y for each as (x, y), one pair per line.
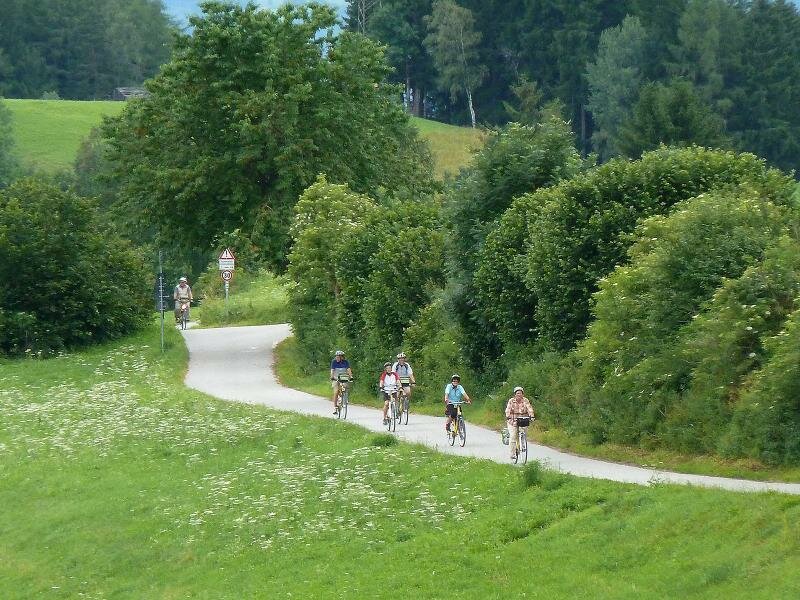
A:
(416, 109)
(471, 108)
(409, 99)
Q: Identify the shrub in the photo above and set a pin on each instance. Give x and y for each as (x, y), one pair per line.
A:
(766, 422)
(325, 216)
(638, 358)
(68, 280)
(580, 233)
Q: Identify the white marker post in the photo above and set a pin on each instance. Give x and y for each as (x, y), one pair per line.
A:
(227, 264)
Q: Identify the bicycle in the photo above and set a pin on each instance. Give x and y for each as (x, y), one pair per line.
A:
(521, 443)
(342, 397)
(404, 399)
(393, 415)
(184, 317)
(458, 429)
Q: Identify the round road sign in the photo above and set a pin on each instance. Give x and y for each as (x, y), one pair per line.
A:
(226, 275)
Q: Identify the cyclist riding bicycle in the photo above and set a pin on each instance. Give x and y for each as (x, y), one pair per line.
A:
(340, 371)
(518, 407)
(405, 373)
(454, 395)
(389, 384)
(182, 295)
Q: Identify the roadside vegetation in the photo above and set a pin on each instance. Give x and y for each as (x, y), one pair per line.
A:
(119, 464)
(254, 299)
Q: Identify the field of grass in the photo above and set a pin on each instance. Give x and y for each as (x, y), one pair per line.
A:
(116, 481)
(48, 133)
(452, 146)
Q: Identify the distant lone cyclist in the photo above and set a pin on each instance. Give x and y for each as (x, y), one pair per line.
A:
(181, 295)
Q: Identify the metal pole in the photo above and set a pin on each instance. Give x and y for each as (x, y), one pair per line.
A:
(161, 298)
(227, 285)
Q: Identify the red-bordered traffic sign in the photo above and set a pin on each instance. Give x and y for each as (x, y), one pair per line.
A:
(226, 275)
(227, 261)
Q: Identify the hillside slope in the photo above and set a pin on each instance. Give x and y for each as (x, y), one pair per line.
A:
(48, 133)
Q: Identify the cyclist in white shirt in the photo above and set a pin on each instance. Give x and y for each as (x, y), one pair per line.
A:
(389, 384)
(405, 373)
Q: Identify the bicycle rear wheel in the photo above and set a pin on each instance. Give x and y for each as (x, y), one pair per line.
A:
(523, 447)
(462, 431)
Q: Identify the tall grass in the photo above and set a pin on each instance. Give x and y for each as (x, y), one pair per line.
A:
(116, 481)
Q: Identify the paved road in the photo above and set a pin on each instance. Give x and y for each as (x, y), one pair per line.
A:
(235, 363)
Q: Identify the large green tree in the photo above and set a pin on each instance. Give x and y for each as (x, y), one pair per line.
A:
(614, 79)
(81, 49)
(252, 107)
(453, 42)
(673, 115)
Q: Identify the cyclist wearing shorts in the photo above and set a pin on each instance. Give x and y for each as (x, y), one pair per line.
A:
(518, 406)
(389, 384)
(340, 367)
(405, 373)
(454, 394)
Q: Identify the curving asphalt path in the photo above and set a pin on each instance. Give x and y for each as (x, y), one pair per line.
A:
(235, 363)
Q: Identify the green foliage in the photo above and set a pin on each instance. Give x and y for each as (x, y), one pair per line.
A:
(580, 233)
(432, 343)
(404, 274)
(80, 50)
(234, 131)
(614, 79)
(516, 160)
(67, 280)
(8, 163)
(453, 42)
(673, 115)
(325, 217)
(766, 422)
(652, 365)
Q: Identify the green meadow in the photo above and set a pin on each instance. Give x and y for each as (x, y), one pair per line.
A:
(118, 482)
(48, 133)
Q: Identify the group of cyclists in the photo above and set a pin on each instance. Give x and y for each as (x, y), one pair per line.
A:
(399, 378)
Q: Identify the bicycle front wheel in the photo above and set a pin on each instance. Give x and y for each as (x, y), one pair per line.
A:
(343, 407)
(451, 435)
(462, 432)
(393, 419)
(523, 450)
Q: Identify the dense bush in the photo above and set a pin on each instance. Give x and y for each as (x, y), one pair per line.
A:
(67, 280)
(766, 423)
(580, 232)
(325, 215)
(516, 160)
(642, 350)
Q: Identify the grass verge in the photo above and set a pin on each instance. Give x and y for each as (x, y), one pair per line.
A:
(260, 299)
(484, 412)
(116, 481)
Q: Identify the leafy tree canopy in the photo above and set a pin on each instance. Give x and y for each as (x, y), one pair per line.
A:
(252, 107)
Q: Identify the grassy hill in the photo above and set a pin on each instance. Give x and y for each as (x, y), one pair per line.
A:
(116, 481)
(49, 132)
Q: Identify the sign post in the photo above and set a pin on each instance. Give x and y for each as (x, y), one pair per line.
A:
(227, 264)
(162, 297)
